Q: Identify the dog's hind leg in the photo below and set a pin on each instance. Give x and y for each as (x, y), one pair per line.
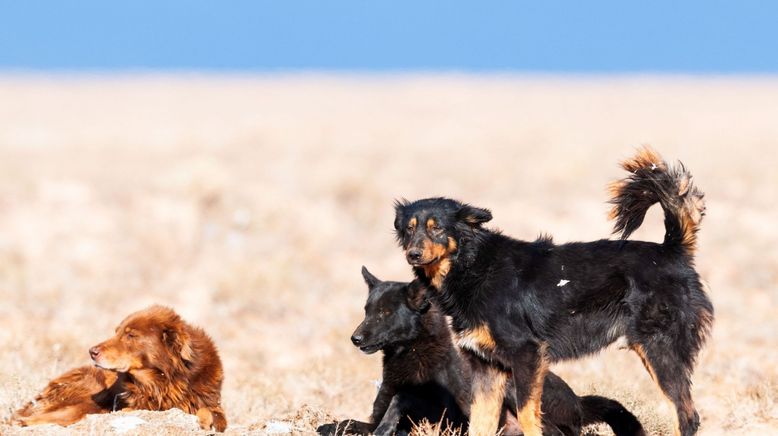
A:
(63, 416)
(673, 378)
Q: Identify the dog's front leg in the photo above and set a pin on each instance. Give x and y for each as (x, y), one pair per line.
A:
(381, 403)
(488, 393)
(530, 365)
(395, 411)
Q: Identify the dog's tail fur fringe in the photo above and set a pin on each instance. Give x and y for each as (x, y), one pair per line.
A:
(600, 409)
(652, 180)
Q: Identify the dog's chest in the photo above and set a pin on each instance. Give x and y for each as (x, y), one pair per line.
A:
(476, 340)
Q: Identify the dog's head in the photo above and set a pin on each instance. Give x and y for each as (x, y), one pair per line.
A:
(429, 230)
(154, 338)
(393, 314)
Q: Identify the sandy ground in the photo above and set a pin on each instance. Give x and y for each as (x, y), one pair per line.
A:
(249, 205)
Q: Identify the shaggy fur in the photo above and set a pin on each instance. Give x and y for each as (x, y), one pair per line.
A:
(156, 361)
(426, 377)
(71, 396)
(522, 305)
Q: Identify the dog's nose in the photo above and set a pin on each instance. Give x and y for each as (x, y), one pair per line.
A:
(357, 339)
(414, 254)
(94, 352)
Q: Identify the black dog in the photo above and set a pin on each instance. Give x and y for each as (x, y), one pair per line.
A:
(521, 305)
(426, 377)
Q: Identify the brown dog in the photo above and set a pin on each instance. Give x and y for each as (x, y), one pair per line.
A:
(156, 361)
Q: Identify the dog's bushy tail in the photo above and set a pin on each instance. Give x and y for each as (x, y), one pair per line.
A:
(600, 409)
(652, 180)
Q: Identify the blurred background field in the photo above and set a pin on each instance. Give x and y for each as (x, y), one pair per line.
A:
(249, 203)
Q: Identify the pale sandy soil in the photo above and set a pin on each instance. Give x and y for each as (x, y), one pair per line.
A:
(249, 205)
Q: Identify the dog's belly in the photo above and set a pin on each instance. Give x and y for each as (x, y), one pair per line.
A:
(585, 334)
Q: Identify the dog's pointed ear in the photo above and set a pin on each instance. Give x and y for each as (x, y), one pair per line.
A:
(178, 340)
(473, 216)
(399, 213)
(370, 279)
(417, 297)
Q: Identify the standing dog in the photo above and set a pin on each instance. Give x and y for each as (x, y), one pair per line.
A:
(426, 377)
(155, 361)
(522, 305)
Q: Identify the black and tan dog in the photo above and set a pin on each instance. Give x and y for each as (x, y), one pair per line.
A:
(426, 377)
(522, 305)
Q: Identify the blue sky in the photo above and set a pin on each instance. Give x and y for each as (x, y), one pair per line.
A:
(680, 36)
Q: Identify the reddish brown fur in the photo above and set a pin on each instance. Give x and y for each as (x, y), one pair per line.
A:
(645, 157)
(162, 363)
(71, 396)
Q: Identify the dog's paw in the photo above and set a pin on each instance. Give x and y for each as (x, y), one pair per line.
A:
(205, 418)
(349, 427)
(327, 429)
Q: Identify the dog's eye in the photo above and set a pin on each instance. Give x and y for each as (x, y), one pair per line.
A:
(131, 335)
(435, 227)
(409, 228)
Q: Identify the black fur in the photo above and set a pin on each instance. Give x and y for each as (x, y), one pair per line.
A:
(545, 302)
(426, 377)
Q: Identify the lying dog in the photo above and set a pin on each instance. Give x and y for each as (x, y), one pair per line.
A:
(156, 361)
(522, 305)
(426, 377)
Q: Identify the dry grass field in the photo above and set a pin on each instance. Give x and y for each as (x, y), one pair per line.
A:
(249, 204)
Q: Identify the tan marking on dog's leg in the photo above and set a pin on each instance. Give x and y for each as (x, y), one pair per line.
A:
(488, 394)
(638, 349)
(530, 415)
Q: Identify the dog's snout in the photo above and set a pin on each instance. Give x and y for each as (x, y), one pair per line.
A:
(357, 339)
(414, 254)
(94, 352)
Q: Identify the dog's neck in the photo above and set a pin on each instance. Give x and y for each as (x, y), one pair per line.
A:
(445, 278)
(426, 353)
(436, 272)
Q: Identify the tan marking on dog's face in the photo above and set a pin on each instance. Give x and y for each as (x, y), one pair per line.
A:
(432, 225)
(412, 224)
(436, 271)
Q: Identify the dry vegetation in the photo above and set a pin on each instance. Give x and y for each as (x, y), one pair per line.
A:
(249, 205)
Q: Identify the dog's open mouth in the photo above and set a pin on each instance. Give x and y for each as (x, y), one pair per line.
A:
(372, 348)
